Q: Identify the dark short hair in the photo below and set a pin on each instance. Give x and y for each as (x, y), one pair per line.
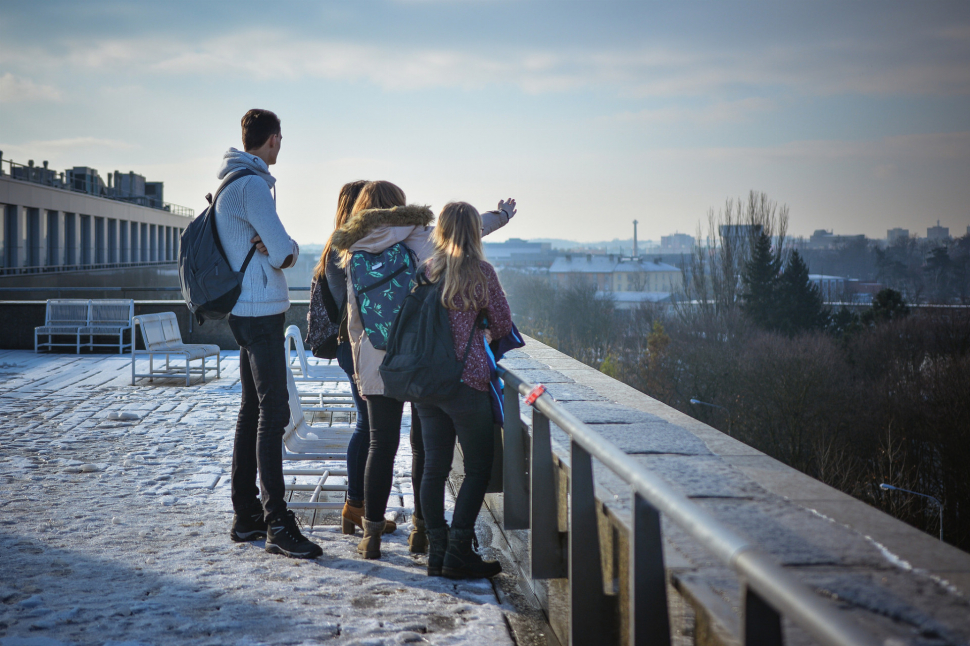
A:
(257, 127)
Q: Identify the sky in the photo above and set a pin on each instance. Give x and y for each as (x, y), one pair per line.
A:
(591, 114)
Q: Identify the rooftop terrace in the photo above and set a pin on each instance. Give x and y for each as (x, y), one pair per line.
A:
(117, 529)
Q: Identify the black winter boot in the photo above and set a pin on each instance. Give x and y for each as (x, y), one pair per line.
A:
(437, 544)
(284, 537)
(248, 526)
(462, 562)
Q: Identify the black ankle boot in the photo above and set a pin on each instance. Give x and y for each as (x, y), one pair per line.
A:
(283, 536)
(462, 562)
(437, 544)
(249, 525)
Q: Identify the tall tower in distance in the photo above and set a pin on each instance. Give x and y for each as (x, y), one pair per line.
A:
(635, 253)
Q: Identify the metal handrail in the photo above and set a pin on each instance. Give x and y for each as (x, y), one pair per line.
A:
(49, 288)
(769, 590)
(56, 269)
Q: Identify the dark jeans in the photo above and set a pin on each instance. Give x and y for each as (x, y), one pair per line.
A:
(360, 441)
(467, 415)
(263, 413)
(385, 436)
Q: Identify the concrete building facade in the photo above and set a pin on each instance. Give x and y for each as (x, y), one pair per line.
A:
(630, 280)
(47, 228)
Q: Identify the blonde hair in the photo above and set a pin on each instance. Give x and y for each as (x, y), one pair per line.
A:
(345, 204)
(458, 256)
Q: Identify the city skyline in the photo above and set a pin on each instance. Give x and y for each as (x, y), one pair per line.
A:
(591, 115)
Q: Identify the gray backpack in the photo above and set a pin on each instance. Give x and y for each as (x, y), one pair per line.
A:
(210, 286)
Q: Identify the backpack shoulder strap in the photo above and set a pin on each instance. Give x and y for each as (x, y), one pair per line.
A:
(229, 179)
(478, 324)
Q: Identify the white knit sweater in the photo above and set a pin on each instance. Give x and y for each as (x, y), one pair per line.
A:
(246, 208)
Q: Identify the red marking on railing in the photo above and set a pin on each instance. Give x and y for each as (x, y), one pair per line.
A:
(534, 395)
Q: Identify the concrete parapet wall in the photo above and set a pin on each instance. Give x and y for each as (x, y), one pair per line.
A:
(19, 318)
(894, 580)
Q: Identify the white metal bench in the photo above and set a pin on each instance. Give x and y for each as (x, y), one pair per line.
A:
(109, 318)
(86, 318)
(62, 317)
(161, 335)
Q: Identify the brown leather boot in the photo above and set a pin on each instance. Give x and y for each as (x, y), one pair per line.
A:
(352, 517)
(370, 546)
(418, 538)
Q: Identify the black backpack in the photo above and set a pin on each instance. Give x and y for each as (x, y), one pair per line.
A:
(210, 286)
(420, 361)
(323, 320)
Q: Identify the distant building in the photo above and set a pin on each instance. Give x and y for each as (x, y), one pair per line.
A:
(516, 252)
(676, 243)
(739, 231)
(838, 289)
(892, 235)
(56, 224)
(823, 239)
(616, 274)
(937, 233)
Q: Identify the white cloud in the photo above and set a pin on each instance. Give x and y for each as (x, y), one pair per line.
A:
(713, 114)
(60, 151)
(944, 146)
(656, 71)
(14, 89)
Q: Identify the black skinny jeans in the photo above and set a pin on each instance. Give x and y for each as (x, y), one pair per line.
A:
(263, 414)
(467, 415)
(385, 435)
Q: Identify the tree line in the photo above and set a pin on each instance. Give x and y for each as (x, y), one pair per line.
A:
(852, 398)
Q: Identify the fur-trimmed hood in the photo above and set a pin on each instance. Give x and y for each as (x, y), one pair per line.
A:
(362, 224)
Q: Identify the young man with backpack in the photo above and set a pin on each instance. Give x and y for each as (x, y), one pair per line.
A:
(246, 218)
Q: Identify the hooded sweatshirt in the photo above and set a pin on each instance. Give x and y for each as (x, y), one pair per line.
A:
(247, 208)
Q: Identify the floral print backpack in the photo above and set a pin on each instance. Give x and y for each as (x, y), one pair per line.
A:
(381, 282)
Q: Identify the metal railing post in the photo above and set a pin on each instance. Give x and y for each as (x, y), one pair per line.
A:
(649, 619)
(587, 607)
(762, 624)
(515, 476)
(547, 557)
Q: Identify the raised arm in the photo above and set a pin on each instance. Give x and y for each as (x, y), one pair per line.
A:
(495, 220)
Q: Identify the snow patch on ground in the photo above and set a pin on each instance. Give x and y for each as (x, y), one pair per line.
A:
(137, 551)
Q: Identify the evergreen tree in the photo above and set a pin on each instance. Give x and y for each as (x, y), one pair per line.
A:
(887, 305)
(800, 306)
(760, 279)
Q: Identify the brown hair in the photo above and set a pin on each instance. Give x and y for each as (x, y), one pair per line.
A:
(458, 257)
(379, 195)
(345, 205)
(257, 127)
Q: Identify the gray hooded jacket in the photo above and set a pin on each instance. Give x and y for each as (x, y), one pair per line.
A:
(247, 208)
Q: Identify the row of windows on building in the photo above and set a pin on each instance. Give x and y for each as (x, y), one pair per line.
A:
(60, 239)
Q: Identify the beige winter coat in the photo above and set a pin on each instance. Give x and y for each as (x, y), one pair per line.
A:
(374, 231)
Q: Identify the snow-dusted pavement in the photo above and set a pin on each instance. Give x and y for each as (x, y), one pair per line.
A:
(117, 531)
